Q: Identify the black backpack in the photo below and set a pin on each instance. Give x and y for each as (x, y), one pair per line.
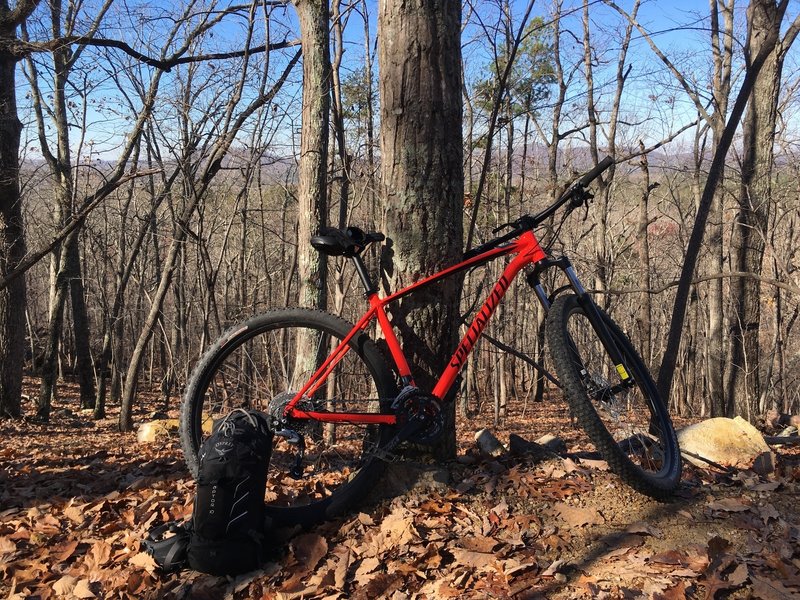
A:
(226, 532)
(228, 519)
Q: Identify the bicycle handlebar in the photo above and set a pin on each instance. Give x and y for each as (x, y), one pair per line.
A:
(576, 187)
(528, 222)
(594, 173)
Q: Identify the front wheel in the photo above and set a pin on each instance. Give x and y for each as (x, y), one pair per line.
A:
(261, 364)
(627, 421)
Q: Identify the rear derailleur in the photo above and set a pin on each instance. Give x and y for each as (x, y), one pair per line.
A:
(291, 430)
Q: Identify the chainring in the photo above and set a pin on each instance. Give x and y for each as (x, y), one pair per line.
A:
(413, 403)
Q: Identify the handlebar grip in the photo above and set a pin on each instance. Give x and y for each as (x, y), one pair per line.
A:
(594, 173)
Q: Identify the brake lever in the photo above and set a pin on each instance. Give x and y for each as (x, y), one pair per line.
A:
(580, 198)
(588, 197)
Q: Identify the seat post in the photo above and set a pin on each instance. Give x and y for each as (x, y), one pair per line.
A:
(361, 269)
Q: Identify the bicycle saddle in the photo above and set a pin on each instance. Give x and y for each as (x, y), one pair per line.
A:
(344, 242)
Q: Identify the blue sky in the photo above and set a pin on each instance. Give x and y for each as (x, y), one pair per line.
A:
(678, 27)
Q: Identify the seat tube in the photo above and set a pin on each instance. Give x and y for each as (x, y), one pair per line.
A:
(363, 275)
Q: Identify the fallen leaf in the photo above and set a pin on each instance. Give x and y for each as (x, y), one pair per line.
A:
(65, 550)
(768, 511)
(367, 566)
(75, 514)
(669, 557)
(309, 548)
(676, 592)
(432, 506)
(144, 561)
(728, 505)
(600, 465)
(769, 486)
(65, 585)
(82, 590)
(396, 529)
(501, 510)
(716, 581)
(20, 534)
(770, 589)
(569, 465)
(739, 576)
(381, 586)
(643, 528)
(479, 561)
(553, 568)
(478, 543)
(98, 556)
(576, 516)
(7, 546)
(342, 566)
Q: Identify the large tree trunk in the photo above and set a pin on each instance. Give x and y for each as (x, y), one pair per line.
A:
(755, 196)
(421, 151)
(12, 238)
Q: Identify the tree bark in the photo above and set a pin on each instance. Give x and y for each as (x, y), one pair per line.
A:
(12, 239)
(13, 298)
(419, 54)
(312, 209)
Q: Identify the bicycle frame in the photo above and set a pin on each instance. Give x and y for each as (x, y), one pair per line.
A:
(526, 251)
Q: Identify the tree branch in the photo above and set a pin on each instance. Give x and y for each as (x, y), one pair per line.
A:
(163, 64)
(90, 203)
(692, 93)
(19, 13)
(792, 289)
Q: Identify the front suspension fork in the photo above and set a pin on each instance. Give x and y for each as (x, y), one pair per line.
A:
(587, 305)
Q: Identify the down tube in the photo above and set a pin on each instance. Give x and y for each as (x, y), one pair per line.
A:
(459, 358)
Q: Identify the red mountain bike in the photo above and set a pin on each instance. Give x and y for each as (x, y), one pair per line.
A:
(339, 410)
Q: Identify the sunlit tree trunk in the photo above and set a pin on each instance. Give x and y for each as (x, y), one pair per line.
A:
(312, 209)
(421, 152)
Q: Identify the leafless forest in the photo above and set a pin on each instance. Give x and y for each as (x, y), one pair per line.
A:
(170, 135)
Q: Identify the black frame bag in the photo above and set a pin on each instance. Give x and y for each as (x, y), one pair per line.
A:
(228, 519)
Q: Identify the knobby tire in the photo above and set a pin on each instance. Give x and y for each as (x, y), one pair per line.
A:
(271, 356)
(632, 429)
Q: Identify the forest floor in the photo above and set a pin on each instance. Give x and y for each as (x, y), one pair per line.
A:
(77, 497)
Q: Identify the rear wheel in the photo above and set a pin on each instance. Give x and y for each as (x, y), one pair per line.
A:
(261, 364)
(627, 422)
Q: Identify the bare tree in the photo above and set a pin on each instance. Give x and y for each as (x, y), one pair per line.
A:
(755, 63)
(312, 212)
(66, 277)
(750, 230)
(199, 173)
